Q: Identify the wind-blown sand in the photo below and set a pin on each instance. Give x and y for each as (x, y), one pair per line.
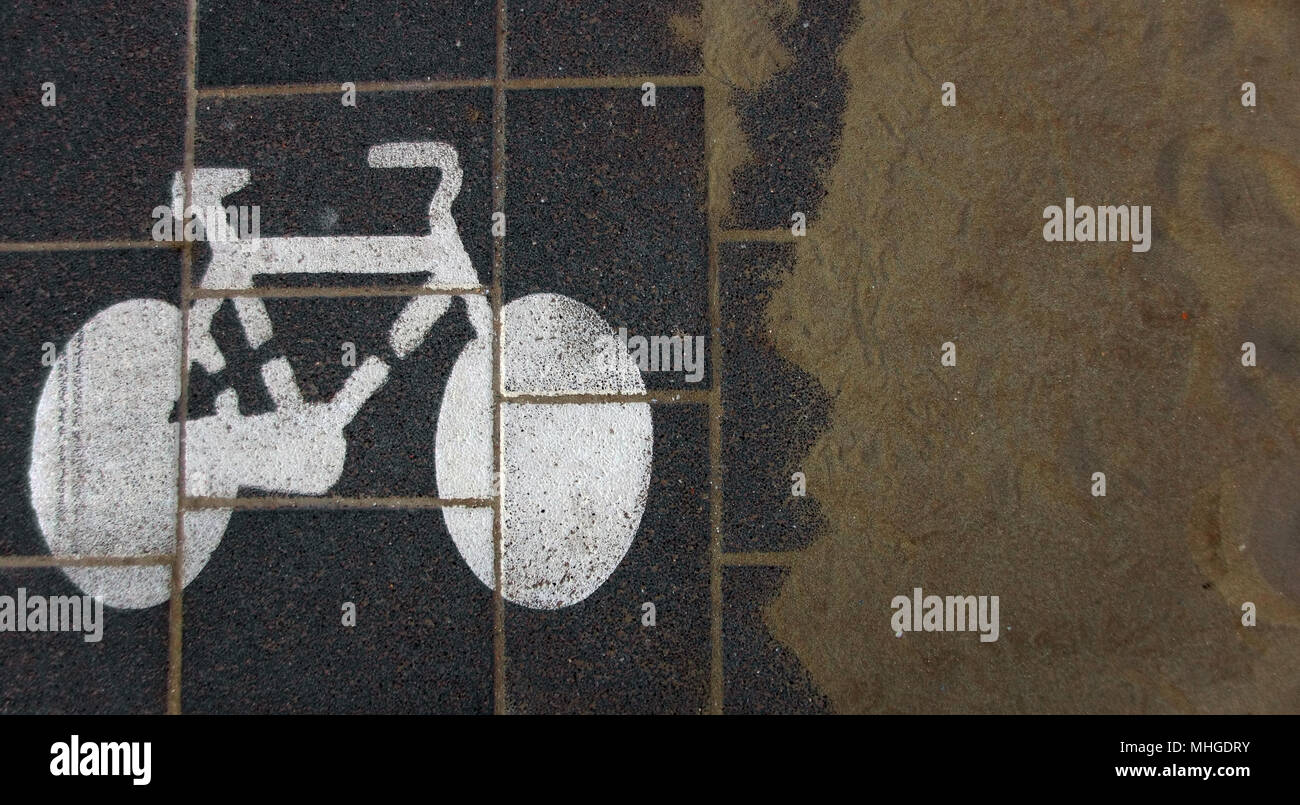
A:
(1072, 358)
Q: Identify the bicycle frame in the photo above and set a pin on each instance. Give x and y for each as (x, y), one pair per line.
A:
(299, 447)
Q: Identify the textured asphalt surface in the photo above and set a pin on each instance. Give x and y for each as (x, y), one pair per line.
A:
(632, 181)
(46, 297)
(792, 121)
(97, 166)
(821, 352)
(607, 203)
(772, 410)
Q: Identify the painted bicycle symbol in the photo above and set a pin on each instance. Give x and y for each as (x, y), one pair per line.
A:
(104, 467)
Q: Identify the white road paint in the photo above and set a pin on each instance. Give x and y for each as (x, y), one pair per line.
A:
(463, 442)
(471, 530)
(425, 155)
(415, 321)
(555, 345)
(575, 476)
(103, 471)
(235, 264)
(299, 448)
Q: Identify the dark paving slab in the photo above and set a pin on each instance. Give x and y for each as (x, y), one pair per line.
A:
(307, 157)
(263, 620)
(125, 671)
(91, 166)
(605, 204)
(251, 42)
(760, 676)
(562, 38)
(596, 656)
(47, 298)
(772, 410)
(792, 122)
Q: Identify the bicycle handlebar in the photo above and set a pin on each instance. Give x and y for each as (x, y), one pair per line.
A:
(438, 155)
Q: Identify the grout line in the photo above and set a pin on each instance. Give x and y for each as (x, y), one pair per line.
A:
(327, 88)
(513, 84)
(604, 82)
(335, 292)
(87, 245)
(499, 706)
(715, 426)
(759, 558)
(310, 502)
(686, 397)
(155, 559)
(778, 235)
(176, 608)
(500, 85)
